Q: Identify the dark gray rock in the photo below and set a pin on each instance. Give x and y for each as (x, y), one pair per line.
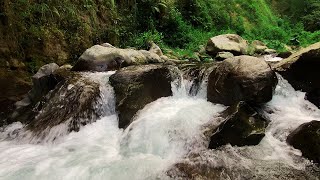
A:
(43, 81)
(242, 78)
(306, 138)
(136, 86)
(301, 70)
(243, 126)
(73, 101)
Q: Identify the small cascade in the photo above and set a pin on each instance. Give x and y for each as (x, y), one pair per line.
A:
(193, 81)
(273, 158)
(165, 141)
(272, 58)
(80, 100)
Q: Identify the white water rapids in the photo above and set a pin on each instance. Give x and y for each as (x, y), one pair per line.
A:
(163, 133)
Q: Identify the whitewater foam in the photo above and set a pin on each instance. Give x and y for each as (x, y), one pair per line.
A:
(164, 133)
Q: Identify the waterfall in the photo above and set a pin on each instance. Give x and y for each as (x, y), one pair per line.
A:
(164, 133)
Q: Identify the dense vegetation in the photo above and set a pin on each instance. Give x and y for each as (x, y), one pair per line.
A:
(38, 32)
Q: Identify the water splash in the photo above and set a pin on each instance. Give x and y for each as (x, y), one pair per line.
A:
(165, 132)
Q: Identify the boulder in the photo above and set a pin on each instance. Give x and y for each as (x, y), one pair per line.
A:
(243, 126)
(44, 81)
(136, 86)
(67, 97)
(223, 55)
(258, 47)
(306, 138)
(241, 78)
(227, 43)
(301, 69)
(77, 107)
(101, 58)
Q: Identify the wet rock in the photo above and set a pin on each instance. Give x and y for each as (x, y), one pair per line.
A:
(242, 78)
(284, 54)
(306, 138)
(243, 126)
(136, 86)
(74, 101)
(101, 58)
(314, 97)
(223, 55)
(43, 81)
(227, 43)
(301, 69)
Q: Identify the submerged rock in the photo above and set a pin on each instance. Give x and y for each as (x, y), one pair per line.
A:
(242, 78)
(227, 43)
(137, 86)
(243, 126)
(306, 138)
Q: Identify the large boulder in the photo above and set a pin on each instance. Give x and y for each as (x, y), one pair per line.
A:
(242, 78)
(306, 138)
(73, 101)
(136, 86)
(243, 126)
(227, 43)
(106, 57)
(301, 69)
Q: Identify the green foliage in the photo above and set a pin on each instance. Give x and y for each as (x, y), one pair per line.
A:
(181, 25)
(142, 40)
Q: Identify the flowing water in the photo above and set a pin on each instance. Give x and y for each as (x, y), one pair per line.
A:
(164, 133)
